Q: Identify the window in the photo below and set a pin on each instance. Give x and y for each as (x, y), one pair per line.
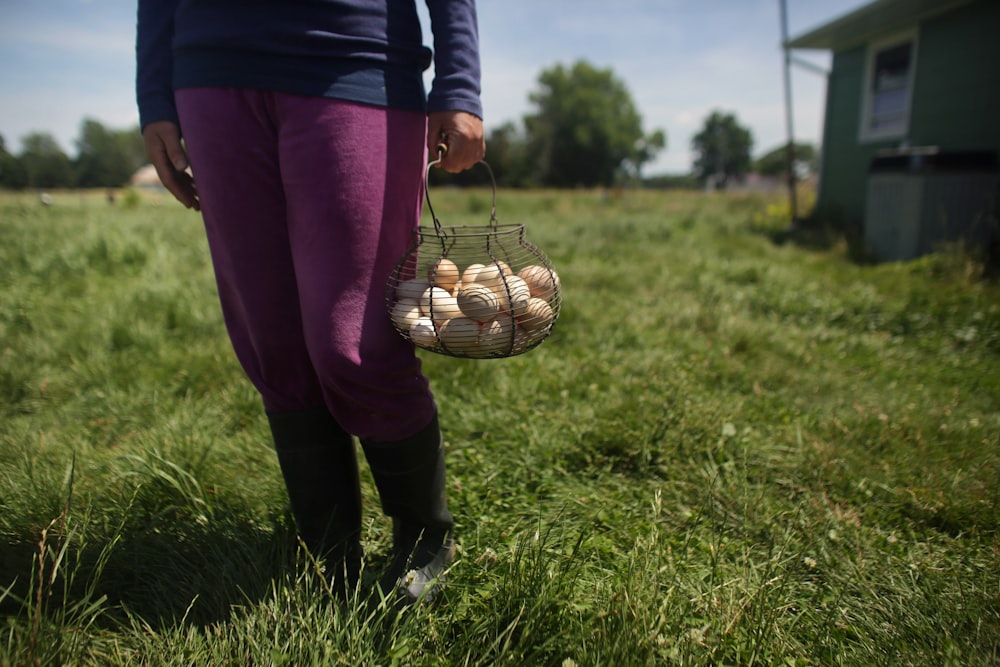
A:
(885, 108)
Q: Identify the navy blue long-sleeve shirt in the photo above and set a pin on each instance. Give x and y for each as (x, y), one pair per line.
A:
(368, 51)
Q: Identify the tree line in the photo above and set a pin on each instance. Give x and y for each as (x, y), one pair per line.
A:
(583, 130)
(105, 158)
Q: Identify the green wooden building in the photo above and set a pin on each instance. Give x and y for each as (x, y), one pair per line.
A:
(912, 123)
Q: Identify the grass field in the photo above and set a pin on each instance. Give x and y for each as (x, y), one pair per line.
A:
(730, 451)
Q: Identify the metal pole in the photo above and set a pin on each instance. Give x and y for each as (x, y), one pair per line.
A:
(790, 147)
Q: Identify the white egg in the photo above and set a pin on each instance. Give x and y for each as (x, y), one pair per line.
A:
(438, 304)
(423, 333)
(470, 273)
(411, 289)
(404, 313)
(459, 334)
(490, 275)
(513, 294)
(478, 302)
(497, 336)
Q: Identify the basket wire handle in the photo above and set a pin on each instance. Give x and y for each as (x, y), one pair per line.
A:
(442, 150)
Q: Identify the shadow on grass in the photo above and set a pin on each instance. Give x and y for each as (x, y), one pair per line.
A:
(811, 235)
(981, 262)
(170, 569)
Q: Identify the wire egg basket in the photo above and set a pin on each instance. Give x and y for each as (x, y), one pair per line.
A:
(482, 292)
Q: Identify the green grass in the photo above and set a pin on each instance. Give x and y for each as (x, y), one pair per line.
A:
(730, 451)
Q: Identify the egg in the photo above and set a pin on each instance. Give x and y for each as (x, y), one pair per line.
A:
(443, 273)
(491, 276)
(537, 316)
(404, 313)
(542, 282)
(459, 334)
(470, 273)
(478, 302)
(496, 336)
(438, 304)
(411, 289)
(423, 332)
(513, 294)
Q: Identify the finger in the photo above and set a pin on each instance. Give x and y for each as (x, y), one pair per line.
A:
(188, 191)
(165, 151)
(178, 158)
(462, 154)
(439, 149)
(181, 186)
(437, 140)
(163, 139)
(178, 183)
(451, 153)
(171, 139)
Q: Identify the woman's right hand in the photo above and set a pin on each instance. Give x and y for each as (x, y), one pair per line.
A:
(164, 149)
(462, 135)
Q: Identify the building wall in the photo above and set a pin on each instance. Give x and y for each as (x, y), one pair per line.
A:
(958, 80)
(845, 162)
(956, 104)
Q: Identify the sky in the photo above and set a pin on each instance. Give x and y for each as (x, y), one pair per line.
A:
(63, 61)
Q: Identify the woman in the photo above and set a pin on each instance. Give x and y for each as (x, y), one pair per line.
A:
(305, 125)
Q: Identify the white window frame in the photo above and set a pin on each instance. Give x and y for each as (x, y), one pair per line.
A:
(866, 132)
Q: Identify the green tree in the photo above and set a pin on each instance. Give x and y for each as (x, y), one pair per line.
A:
(507, 153)
(775, 161)
(585, 130)
(12, 173)
(646, 150)
(106, 157)
(722, 150)
(45, 163)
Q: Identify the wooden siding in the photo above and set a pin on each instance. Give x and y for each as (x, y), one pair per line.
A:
(958, 80)
(956, 104)
(845, 162)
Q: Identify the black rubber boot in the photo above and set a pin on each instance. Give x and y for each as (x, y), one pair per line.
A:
(410, 477)
(319, 464)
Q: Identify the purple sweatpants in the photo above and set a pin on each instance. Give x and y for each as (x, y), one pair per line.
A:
(308, 203)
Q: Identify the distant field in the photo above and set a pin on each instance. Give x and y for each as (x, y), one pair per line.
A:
(730, 451)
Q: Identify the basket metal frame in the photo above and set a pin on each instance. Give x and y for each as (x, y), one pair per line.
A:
(497, 240)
